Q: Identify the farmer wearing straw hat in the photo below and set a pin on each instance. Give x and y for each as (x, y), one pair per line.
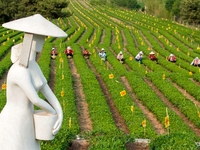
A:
(25, 79)
(103, 54)
(152, 56)
(172, 58)
(139, 56)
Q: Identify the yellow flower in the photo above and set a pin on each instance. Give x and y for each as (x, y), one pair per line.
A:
(199, 114)
(3, 86)
(62, 93)
(111, 76)
(130, 58)
(167, 121)
(118, 46)
(144, 123)
(190, 73)
(163, 76)
(70, 122)
(132, 108)
(123, 93)
(61, 60)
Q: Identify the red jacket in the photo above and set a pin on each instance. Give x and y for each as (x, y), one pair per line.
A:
(69, 51)
(86, 52)
(54, 52)
(172, 58)
(152, 57)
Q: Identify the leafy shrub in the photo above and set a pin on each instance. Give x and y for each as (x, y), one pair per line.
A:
(173, 141)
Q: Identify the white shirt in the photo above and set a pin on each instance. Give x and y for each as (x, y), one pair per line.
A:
(138, 56)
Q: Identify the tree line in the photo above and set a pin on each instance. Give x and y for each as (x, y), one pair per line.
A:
(182, 11)
(15, 9)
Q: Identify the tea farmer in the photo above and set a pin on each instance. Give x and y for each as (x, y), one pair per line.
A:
(103, 54)
(120, 57)
(172, 58)
(139, 56)
(54, 53)
(196, 62)
(152, 56)
(69, 52)
(86, 53)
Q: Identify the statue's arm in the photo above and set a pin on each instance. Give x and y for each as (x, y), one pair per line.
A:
(51, 98)
(23, 80)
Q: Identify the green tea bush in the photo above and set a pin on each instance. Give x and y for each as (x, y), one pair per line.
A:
(176, 141)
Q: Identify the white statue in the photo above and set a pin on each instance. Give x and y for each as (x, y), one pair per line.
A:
(17, 122)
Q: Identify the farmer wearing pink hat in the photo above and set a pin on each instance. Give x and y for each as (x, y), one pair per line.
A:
(120, 57)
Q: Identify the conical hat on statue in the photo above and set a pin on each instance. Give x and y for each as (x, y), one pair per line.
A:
(35, 24)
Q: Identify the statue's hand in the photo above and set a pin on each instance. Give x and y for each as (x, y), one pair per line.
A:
(57, 125)
(51, 112)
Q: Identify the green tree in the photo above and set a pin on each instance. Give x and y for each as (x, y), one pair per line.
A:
(169, 4)
(14, 9)
(176, 9)
(190, 11)
(156, 8)
(130, 4)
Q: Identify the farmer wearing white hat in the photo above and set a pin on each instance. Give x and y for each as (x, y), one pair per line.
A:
(139, 56)
(152, 56)
(120, 57)
(24, 80)
(69, 52)
(103, 54)
(172, 58)
(54, 53)
(196, 62)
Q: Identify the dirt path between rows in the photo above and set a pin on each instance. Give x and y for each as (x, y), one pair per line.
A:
(187, 95)
(151, 117)
(81, 104)
(82, 109)
(120, 123)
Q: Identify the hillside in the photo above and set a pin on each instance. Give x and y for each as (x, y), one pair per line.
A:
(108, 104)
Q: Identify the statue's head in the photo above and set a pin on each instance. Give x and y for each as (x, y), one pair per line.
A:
(36, 28)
